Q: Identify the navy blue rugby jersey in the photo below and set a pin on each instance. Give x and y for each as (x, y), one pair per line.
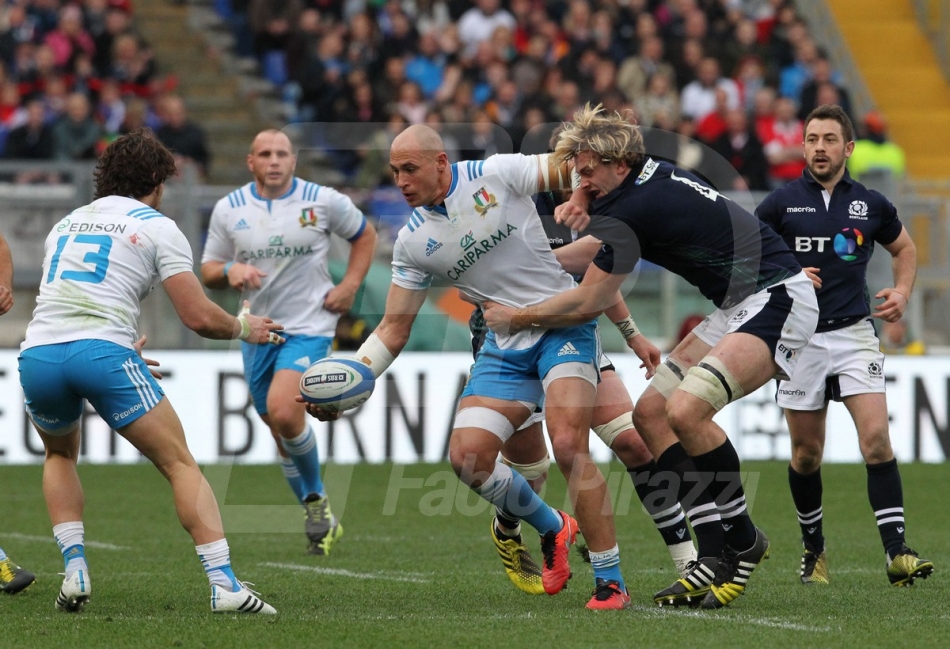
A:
(671, 218)
(837, 239)
(558, 235)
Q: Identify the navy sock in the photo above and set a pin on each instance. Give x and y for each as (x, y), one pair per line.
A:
(695, 499)
(886, 496)
(720, 467)
(669, 518)
(806, 494)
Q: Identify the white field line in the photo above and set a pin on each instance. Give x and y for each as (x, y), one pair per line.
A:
(49, 539)
(773, 623)
(384, 576)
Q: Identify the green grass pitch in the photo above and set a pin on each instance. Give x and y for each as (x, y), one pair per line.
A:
(416, 567)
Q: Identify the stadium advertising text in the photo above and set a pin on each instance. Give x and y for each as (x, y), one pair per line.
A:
(410, 416)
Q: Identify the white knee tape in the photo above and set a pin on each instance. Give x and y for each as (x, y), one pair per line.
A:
(669, 374)
(608, 432)
(531, 471)
(486, 419)
(711, 381)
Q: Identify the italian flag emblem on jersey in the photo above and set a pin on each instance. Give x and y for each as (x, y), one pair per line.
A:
(308, 216)
(484, 201)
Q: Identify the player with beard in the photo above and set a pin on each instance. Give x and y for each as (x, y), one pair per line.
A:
(831, 222)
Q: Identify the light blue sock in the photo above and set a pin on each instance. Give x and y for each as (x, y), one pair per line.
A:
(293, 477)
(302, 450)
(509, 491)
(3, 555)
(216, 559)
(607, 566)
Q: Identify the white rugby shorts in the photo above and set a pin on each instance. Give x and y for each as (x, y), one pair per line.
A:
(783, 315)
(834, 365)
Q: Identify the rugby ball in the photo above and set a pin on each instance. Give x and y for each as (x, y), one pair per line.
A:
(337, 384)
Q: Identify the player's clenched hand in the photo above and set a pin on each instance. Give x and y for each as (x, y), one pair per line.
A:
(812, 273)
(339, 299)
(258, 330)
(572, 215)
(245, 276)
(646, 352)
(893, 307)
(6, 299)
(316, 411)
(138, 345)
(498, 317)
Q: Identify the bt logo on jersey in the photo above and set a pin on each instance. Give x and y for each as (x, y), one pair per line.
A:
(847, 243)
(808, 244)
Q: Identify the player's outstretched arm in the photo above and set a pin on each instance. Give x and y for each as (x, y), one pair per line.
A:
(580, 304)
(392, 334)
(385, 343)
(208, 320)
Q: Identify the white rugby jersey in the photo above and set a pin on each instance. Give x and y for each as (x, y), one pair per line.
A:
(486, 239)
(289, 239)
(101, 261)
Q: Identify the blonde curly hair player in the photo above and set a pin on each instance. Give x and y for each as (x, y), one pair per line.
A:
(766, 311)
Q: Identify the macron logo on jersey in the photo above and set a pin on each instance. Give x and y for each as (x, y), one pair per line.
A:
(431, 246)
(241, 225)
(798, 210)
(568, 350)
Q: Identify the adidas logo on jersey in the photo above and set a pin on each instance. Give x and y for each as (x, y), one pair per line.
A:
(568, 350)
(241, 225)
(431, 246)
(303, 361)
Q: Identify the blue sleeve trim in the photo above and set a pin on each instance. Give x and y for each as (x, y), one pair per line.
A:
(358, 232)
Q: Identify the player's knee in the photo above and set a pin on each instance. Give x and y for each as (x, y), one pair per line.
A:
(680, 416)
(711, 381)
(472, 454)
(530, 471)
(647, 413)
(806, 459)
(630, 449)
(876, 446)
(470, 461)
(566, 448)
(669, 374)
(285, 421)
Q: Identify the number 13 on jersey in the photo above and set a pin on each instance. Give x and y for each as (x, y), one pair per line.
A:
(96, 247)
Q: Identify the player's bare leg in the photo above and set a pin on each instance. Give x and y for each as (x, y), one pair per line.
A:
(159, 436)
(296, 441)
(885, 492)
(481, 426)
(740, 363)
(806, 428)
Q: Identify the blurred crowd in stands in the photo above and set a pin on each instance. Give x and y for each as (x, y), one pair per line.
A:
(74, 76)
(737, 75)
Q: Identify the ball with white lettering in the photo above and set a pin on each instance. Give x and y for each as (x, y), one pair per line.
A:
(337, 384)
